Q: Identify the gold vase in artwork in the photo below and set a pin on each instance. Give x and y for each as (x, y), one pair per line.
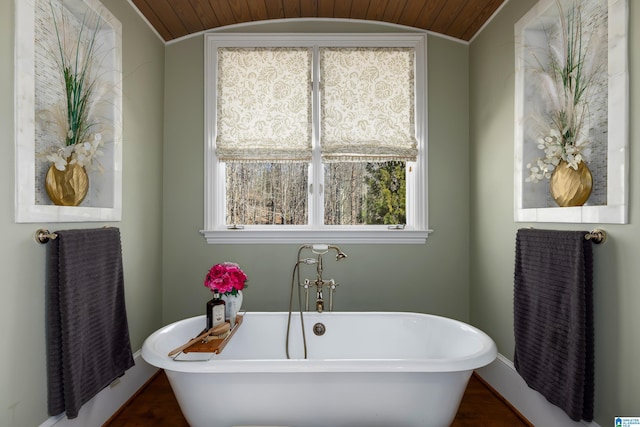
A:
(68, 187)
(571, 187)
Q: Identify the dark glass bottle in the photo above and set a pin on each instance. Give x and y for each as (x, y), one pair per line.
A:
(215, 311)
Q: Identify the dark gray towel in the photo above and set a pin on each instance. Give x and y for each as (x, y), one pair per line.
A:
(553, 317)
(87, 333)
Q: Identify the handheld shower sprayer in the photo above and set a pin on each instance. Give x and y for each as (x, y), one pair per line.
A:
(340, 255)
(323, 249)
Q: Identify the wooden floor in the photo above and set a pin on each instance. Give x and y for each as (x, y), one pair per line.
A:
(156, 406)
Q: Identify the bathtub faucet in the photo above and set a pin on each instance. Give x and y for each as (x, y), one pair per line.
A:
(320, 283)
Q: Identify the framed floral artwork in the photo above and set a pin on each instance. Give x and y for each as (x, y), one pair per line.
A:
(571, 112)
(68, 134)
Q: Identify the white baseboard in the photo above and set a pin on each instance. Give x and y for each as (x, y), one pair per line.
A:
(503, 377)
(98, 410)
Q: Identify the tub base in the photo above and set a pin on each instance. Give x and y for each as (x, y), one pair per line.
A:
(319, 399)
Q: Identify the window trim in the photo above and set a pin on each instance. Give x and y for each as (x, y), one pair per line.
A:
(417, 213)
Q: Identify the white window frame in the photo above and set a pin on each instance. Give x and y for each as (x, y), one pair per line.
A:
(216, 231)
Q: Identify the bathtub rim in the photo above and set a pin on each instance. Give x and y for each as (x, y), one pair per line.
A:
(482, 357)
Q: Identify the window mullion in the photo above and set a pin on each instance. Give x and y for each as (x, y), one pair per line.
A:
(316, 196)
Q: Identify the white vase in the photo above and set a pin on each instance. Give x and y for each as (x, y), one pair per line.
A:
(233, 303)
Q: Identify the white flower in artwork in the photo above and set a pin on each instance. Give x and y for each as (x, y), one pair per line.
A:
(83, 154)
(555, 151)
(59, 161)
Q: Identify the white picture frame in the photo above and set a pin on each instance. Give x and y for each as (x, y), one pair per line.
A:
(532, 202)
(104, 199)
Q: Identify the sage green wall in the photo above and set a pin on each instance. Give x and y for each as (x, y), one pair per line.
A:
(617, 288)
(432, 277)
(22, 260)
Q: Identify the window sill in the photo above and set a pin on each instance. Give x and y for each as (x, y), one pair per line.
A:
(303, 236)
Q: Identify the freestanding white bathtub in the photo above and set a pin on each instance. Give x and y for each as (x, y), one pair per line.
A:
(368, 370)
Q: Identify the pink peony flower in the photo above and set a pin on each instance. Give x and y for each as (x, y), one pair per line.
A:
(226, 278)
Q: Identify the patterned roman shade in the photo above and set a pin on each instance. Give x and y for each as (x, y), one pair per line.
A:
(264, 104)
(264, 108)
(367, 104)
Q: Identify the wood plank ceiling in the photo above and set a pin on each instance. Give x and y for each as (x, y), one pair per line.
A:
(460, 19)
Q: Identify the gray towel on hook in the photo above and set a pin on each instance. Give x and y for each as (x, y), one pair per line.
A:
(87, 335)
(553, 317)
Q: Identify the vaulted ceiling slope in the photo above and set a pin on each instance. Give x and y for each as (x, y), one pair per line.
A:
(460, 19)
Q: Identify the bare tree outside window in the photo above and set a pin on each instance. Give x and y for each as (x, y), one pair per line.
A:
(266, 193)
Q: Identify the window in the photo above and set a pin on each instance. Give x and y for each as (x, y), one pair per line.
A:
(315, 138)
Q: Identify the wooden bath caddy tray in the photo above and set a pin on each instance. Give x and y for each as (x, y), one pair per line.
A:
(215, 345)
